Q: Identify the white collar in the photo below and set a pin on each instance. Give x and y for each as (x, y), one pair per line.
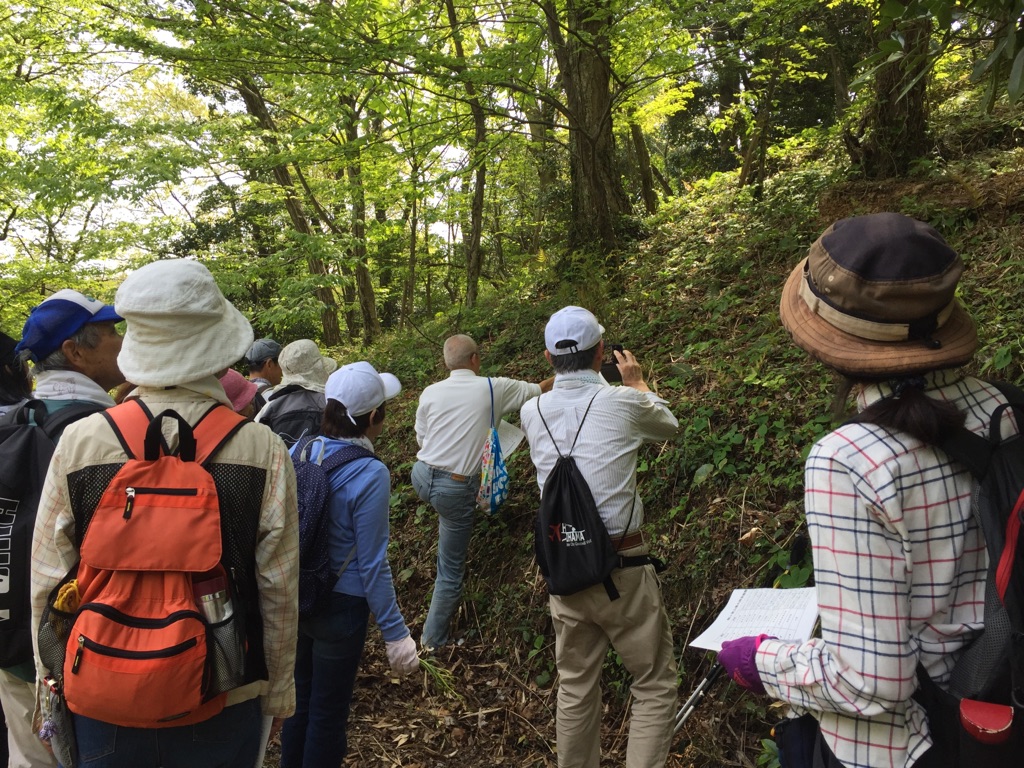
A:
(70, 385)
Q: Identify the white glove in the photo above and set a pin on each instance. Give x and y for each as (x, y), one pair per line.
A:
(402, 656)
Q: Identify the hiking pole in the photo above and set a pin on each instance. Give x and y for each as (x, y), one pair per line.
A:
(697, 696)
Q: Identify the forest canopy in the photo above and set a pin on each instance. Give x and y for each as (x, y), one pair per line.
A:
(348, 167)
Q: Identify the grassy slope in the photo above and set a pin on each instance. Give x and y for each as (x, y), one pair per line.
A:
(697, 303)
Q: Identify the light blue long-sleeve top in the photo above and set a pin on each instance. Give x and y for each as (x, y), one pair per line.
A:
(360, 491)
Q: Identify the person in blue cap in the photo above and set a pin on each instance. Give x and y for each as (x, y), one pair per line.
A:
(73, 343)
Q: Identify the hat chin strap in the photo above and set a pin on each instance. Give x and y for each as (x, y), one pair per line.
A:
(871, 329)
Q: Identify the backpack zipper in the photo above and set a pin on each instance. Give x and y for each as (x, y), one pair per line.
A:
(131, 492)
(106, 650)
(138, 621)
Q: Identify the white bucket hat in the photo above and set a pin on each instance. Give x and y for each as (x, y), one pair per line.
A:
(360, 388)
(301, 363)
(180, 326)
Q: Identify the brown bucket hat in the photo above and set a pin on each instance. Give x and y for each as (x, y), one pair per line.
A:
(875, 297)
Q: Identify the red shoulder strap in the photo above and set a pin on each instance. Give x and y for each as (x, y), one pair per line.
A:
(214, 429)
(129, 421)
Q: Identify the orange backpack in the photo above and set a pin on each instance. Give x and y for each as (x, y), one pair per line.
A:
(141, 652)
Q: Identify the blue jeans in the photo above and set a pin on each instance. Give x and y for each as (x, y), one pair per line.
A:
(455, 502)
(230, 739)
(326, 661)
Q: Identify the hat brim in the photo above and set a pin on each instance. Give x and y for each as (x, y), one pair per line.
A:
(179, 359)
(855, 356)
(106, 315)
(392, 386)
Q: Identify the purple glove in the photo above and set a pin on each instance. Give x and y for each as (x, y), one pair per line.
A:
(737, 656)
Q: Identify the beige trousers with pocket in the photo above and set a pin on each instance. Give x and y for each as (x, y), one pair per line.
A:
(637, 627)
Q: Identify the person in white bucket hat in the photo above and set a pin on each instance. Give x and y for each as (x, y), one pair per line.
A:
(182, 332)
(295, 408)
(332, 635)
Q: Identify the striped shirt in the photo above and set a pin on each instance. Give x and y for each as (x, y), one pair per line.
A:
(900, 567)
(620, 420)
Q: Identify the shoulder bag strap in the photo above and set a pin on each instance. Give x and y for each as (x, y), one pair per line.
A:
(491, 387)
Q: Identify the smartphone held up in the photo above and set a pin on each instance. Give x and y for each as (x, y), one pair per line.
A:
(609, 369)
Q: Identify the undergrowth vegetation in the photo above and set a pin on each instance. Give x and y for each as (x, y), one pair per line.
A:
(697, 304)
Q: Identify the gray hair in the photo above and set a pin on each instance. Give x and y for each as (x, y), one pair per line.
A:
(88, 336)
(458, 350)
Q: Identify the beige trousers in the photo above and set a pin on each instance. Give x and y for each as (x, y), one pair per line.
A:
(637, 627)
(19, 702)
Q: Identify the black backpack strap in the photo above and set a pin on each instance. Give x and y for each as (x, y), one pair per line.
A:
(35, 413)
(968, 448)
(974, 451)
(578, 429)
(57, 421)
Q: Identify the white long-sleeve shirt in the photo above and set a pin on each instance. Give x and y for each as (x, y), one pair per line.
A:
(454, 417)
(620, 420)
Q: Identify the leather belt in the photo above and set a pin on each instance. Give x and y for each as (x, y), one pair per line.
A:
(630, 540)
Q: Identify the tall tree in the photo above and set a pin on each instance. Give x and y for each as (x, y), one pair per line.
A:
(581, 42)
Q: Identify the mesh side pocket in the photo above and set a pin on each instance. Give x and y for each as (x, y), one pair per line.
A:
(226, 648)
(54, 630)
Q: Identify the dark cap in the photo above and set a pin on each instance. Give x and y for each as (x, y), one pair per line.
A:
(263, 349)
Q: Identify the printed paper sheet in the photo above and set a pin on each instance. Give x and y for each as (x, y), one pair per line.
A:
(788, 614)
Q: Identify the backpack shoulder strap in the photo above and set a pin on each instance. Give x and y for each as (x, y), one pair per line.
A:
(214, 429)
(344, 455)
(29, 412)
(130, 420)
(55, 423)
(974, 451)
(968, 448)
(578, 429)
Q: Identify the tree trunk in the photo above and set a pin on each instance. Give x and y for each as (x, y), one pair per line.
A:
(474, 254)
(354, 172)
(897, 125)
(256, 106)
(541, 117)
(643, 162)
(598, 199)
(410, 280)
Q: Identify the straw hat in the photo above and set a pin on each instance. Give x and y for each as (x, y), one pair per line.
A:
(875, 297)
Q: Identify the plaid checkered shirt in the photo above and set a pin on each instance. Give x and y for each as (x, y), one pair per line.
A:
(900, 567)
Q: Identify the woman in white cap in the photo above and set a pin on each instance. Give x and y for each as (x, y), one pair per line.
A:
(331, 639)
(899, 560)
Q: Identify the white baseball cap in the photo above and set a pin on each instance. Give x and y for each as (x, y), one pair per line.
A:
(360, 388)
(572, 329)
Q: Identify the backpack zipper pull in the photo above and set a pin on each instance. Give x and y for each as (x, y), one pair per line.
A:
(129, 503)
(78, 655)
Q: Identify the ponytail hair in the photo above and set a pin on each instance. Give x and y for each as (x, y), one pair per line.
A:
(908, 409)
(337, 423)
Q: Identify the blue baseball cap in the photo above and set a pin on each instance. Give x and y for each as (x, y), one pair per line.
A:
(57, 319)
